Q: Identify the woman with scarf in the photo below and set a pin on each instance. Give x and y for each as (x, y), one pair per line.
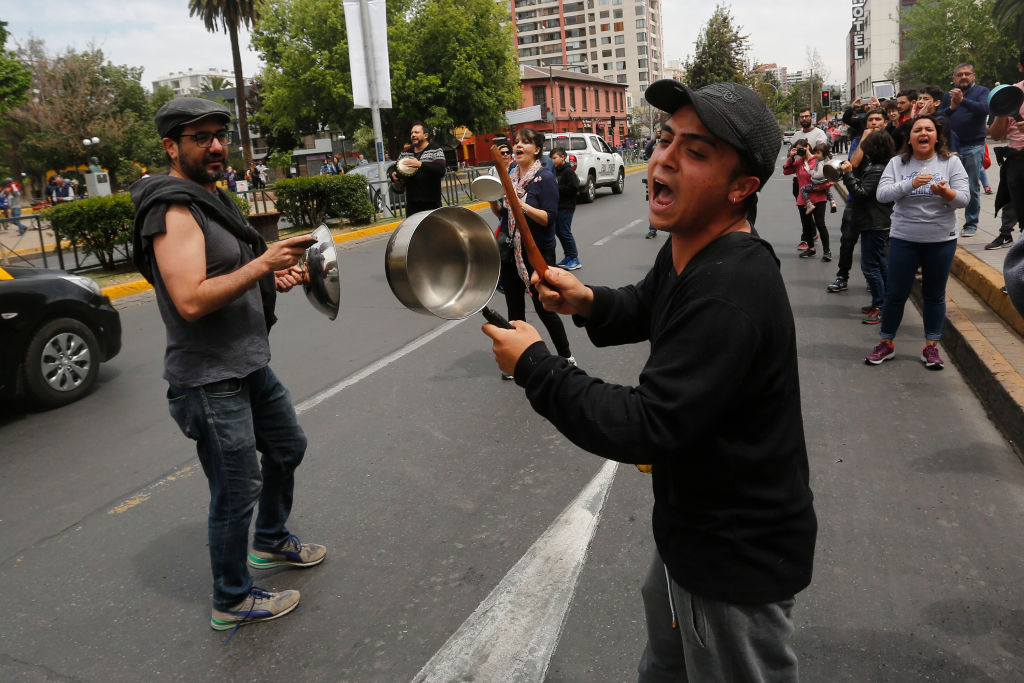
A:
(538, 195)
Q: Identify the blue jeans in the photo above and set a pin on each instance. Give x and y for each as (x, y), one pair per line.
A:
(563, 230)
(971, 158)
(230, 421)
(15, 215)
(874, 264)
(935, 259)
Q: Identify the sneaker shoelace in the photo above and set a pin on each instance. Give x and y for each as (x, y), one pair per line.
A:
(255, 593)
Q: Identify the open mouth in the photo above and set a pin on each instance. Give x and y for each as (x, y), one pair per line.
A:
(661, 194)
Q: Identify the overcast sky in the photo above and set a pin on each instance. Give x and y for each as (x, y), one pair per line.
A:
(160, 36)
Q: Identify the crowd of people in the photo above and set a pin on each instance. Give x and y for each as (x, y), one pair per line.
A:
(912, 163)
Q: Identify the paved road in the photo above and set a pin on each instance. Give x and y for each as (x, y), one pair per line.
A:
(429, 479)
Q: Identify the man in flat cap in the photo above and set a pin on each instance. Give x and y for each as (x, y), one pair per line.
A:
(716, 411)
(216, 281)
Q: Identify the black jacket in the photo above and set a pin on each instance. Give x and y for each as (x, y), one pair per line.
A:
(568, 186)
(716, 411)
(868, 213)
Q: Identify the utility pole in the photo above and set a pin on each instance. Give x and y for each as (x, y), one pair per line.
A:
(378, 135)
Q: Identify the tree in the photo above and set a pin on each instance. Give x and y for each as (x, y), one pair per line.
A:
(76, 95)
(230, 15)
(943, 33)
(215, 83)
(15, 78)
(444, 76)
(719, 52)
(1009, 14)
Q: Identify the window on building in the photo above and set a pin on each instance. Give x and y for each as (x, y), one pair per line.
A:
(643, 77)
(640, 23)
(620, 66)
(620, 39)
(620, 52)
(618, 25)
(617, 14)
(572, 98)
(607, 66)
(641, 37)
(604, 14)
(593, 41)
(639, 10)
(593, 55)
(641, 49)
(608, 41)
(583, 98)
(606, 53)
(607, 101)
(561, 97)
(540, 94)
(621, 78)
(604, 27)
(641, 63)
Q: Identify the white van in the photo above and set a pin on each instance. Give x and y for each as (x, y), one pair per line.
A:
(596, 164)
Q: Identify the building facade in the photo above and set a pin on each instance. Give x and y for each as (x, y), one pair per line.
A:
(192, 82)
(617, 40)
(874, 47)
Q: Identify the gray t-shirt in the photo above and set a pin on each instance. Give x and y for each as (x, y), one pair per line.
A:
(918, 215)
(228, 343)
(813, 137)
(14, 198)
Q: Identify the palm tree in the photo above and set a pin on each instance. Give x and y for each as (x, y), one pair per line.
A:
(1011, 12)
(230, 15)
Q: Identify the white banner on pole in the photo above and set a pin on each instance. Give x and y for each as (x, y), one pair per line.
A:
(361, 97)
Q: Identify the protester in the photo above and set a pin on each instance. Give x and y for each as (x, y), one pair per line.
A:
(966, 105)
(801, 163)
(1010, 195)
(568, 188)
(215, 281)
(905, 104)
(733, 519)
(428, 166)
(821, 152)
(848, 232)
(648, 151)
(538, 195)
(927, 184)
(12, 192)
(871, 218)
(808, 131)
(231, 178)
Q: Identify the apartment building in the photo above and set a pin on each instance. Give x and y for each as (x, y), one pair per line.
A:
(617, 40)
(194, 81)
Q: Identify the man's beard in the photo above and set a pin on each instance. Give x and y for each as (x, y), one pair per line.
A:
(198, 172)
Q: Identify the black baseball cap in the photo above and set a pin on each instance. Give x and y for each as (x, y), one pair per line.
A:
(733, 113)
(182, 111)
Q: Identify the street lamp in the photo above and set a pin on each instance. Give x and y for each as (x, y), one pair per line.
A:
(341, 139)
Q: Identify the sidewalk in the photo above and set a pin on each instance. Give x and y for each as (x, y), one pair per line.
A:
(984, 334)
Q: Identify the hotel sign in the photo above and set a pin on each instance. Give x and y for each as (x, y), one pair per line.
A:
(859, 20)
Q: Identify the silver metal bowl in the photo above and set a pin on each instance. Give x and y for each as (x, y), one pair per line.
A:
(443, 262)
(487, 187)
(322, 282)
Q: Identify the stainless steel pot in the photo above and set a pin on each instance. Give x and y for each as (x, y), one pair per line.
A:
(443, 262)
(322, 277)
(833, 174)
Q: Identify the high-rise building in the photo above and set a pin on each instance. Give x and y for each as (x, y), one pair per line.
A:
(874, 46)
(617, 40)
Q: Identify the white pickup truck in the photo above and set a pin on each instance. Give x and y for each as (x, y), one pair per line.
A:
(596, 164)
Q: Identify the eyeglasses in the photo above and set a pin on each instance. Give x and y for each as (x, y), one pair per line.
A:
(506, 153)
(205, 139)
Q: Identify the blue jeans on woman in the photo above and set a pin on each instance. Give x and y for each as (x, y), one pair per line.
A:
(873, 263)
(935, 259)
(230, 421)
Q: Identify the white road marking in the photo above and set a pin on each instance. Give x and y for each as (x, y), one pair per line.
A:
(513, 633)
(604, 240)
(327, 393)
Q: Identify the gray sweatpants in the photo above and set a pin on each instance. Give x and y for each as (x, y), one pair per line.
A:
(715, 641)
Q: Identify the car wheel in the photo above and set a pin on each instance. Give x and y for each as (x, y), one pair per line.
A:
(589, 190)
(620, 182)
(61, 362)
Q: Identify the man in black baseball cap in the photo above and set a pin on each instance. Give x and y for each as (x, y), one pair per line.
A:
(716, 412)
(216, 281)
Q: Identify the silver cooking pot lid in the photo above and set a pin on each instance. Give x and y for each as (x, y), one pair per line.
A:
(322, 282)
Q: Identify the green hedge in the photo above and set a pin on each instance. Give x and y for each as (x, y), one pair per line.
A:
(99, 224)
(309, 201)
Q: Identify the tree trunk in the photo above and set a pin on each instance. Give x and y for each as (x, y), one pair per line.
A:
(240, 99)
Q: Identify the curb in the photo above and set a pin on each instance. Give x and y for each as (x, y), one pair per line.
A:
(987, 283)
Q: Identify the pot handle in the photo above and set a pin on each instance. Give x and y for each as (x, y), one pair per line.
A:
(532, 252)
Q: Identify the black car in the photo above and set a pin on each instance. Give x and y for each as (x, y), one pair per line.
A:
(55, 330)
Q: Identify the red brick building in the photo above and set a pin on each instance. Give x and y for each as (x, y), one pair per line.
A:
(579, 102)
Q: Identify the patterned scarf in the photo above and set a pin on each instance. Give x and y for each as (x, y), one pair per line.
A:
(521, 183)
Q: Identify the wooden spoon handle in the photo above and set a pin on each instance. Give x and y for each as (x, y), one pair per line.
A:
(533, 254)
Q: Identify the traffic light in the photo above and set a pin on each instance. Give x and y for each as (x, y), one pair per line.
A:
(825, 99)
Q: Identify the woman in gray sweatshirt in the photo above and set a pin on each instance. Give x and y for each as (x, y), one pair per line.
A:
(928, 185)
